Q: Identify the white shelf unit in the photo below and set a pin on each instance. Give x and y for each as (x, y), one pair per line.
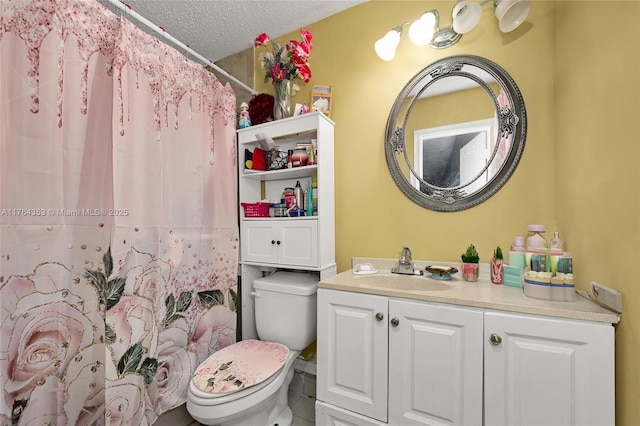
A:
(294, 243)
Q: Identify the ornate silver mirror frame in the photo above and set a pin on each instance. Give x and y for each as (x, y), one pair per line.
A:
(411, 155)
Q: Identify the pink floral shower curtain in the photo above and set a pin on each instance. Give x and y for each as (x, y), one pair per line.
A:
(118, 226)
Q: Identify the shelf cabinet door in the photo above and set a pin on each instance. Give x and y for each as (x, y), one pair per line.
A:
(287, 242)
(259, 241)
(435, 364)
(352, 352)
(547, 371)
(299, 243)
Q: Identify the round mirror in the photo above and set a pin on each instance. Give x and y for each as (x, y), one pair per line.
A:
(455, 133)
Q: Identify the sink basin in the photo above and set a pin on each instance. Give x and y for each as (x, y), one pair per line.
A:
(402, 282)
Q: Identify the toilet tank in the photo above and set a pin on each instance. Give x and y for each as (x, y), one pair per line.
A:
(285, 308)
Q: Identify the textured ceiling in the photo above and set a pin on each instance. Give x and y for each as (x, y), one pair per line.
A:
(218, 28)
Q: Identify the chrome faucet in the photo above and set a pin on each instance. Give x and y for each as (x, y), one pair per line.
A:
(405, 264)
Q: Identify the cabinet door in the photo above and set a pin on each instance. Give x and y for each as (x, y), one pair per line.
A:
(299, 243)
(288, 242)
(435, 364)
(259, 241)
(547, 371)
(352, 352)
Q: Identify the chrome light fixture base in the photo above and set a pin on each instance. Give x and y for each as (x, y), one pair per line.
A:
(444, 37)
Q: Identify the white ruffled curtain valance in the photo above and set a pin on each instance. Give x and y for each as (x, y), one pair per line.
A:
(118, 225)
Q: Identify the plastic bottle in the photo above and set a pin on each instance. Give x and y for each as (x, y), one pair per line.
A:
(314, 196)
(289, 197)
(312, 156)
(309, 200)
(518, 244)
(299, 196)
(516, 255)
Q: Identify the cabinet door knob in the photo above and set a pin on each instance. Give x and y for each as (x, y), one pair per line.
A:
(379, 316)
(273, 241)
(495, 339)
(395, 322)
(278, 242)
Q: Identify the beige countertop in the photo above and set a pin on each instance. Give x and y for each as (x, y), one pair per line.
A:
(479, 294)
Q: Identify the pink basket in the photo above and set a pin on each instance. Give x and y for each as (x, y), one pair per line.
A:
(256, 209)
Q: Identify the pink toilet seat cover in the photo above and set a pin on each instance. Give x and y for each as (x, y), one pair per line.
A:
(239, 366)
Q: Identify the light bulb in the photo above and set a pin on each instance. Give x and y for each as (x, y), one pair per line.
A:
(466, 16)
(386, 46)
(511, 13)
(421, 31)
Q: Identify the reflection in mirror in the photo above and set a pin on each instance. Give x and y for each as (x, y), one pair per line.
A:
(454, 155)
(455, 133)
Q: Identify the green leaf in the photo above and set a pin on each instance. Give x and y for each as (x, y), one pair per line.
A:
(130, 360)
(225, 366)
(169, 318)
(99, 282)
(148, 369)
(170, 303)
(109, 334)
(239, 383)
(108, 262)
(115, 288)
(233, 303)
(211, 381)
(210, 298)
(184, 300)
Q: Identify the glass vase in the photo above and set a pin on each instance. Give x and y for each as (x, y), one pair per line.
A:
(282, 99)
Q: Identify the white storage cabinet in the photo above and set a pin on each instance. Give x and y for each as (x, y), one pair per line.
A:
(296, 243)
(402, 362)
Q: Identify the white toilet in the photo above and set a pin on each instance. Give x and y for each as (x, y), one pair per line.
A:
(247, 383)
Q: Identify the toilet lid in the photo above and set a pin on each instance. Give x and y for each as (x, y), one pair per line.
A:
(239, 366)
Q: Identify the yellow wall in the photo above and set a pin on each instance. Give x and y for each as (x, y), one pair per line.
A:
(373, 218)
(597, 156)
(577, 66)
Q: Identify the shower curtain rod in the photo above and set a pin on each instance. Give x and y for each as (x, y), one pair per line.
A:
(124, 7)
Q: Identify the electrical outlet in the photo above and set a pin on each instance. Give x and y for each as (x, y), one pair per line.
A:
(606, 296)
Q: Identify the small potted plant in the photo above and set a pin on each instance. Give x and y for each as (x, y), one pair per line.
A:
(470, 264)
(497, 266)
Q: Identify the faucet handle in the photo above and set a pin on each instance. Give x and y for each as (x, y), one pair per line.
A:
(406, 254)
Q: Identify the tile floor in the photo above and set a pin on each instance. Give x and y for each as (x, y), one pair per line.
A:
(302, 392)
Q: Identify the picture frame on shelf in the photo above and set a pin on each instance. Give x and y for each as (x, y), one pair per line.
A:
(321, 99)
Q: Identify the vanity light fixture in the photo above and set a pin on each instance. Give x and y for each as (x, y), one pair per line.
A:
(466, 14)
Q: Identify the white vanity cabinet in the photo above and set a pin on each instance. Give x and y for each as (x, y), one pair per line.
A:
(399, 361)
(385, 360)
(296, 243)
(352, 350)
(548, 371)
